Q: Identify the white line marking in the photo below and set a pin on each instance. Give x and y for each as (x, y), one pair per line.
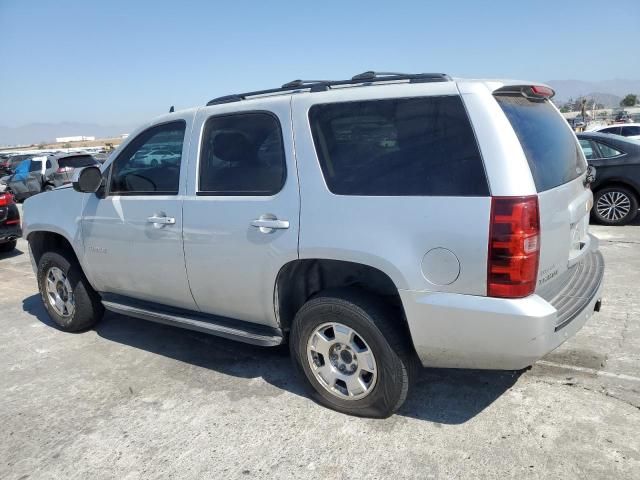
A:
(592, 371)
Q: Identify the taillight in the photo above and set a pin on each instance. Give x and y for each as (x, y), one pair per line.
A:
(64, 169)
(542, 91)
(514, 247)
(5, 199)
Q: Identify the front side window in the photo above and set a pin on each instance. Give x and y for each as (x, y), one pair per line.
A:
(606, 151)
(137, 171)
(242, 154)
(421, 146)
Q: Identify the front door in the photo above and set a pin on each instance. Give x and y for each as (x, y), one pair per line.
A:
(241, 211)
(133, 234)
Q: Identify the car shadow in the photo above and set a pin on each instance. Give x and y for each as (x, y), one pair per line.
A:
(13, 253)
(446, 396)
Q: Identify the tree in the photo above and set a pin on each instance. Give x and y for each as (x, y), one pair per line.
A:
(629, 101)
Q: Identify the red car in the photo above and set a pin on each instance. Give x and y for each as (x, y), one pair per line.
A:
(10, 229)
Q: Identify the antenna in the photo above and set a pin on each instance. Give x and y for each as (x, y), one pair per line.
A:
(171, 110)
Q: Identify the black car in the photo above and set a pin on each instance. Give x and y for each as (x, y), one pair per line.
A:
(9, 223)
(616, 190)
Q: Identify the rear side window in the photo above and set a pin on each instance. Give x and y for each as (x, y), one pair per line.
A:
(421, 146)
(76, 162)
(611, 130)
(242, 154)
(606, 151)
(550, 147)
(588, 150)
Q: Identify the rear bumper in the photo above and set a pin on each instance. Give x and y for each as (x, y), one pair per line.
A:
(465, 331)
(9, 233)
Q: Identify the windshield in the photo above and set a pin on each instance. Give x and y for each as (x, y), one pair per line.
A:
(551, 149)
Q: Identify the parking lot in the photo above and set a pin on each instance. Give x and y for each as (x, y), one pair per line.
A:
(133, 399)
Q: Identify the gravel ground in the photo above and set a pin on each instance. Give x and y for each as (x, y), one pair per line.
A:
(132, 399)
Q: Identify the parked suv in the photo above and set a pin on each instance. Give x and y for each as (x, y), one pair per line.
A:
(414, 217)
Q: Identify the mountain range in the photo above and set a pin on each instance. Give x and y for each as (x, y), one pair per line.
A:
(607, 92)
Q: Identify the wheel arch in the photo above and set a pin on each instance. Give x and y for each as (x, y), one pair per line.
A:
(41, 241)
(619, 182)
(299, 280)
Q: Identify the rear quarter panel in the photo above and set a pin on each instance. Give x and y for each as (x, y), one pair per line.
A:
(392, 234)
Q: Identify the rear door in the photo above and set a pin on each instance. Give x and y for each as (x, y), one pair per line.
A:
(558, 169)
(242, 208)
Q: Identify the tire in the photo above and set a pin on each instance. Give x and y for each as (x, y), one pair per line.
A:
(83, 308)
(377, 331)
(8, 246)
(624, 201)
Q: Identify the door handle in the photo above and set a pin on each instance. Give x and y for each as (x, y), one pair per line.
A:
(161, 220)
(268, 224)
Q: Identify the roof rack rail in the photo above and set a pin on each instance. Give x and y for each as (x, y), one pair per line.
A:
(324, 85)
(371, 76)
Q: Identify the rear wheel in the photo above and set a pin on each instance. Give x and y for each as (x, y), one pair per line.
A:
(66, 294)
(615, 205)
(354, 354)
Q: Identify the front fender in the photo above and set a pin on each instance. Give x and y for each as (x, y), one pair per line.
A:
(59, 212)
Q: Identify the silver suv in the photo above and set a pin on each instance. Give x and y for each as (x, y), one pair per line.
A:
(374, 224)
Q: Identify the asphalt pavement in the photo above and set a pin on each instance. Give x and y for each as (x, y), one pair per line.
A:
(132, 399)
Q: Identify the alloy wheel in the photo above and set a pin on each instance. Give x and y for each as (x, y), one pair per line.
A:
(613, 206)
(59, 292)
(342, 361)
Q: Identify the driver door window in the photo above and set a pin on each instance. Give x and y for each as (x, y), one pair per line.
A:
(141, 170)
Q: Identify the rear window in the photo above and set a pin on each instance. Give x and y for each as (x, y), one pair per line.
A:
(421, 146)
(550, 147)
(77, 162)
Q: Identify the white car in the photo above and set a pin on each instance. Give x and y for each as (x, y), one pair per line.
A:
(629, 130)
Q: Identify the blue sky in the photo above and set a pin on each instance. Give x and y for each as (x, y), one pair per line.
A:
(117, 62)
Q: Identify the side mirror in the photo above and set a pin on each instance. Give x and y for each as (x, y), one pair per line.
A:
(87, 180)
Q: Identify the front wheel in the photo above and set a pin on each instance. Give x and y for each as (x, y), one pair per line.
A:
(66, 294)
(354, 353)
(615, 206)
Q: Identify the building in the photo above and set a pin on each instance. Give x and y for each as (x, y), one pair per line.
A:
(78, 138)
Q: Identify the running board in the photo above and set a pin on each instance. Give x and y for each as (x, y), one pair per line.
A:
(251, 333)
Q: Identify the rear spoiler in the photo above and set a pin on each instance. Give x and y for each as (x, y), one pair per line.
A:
(532, 92)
